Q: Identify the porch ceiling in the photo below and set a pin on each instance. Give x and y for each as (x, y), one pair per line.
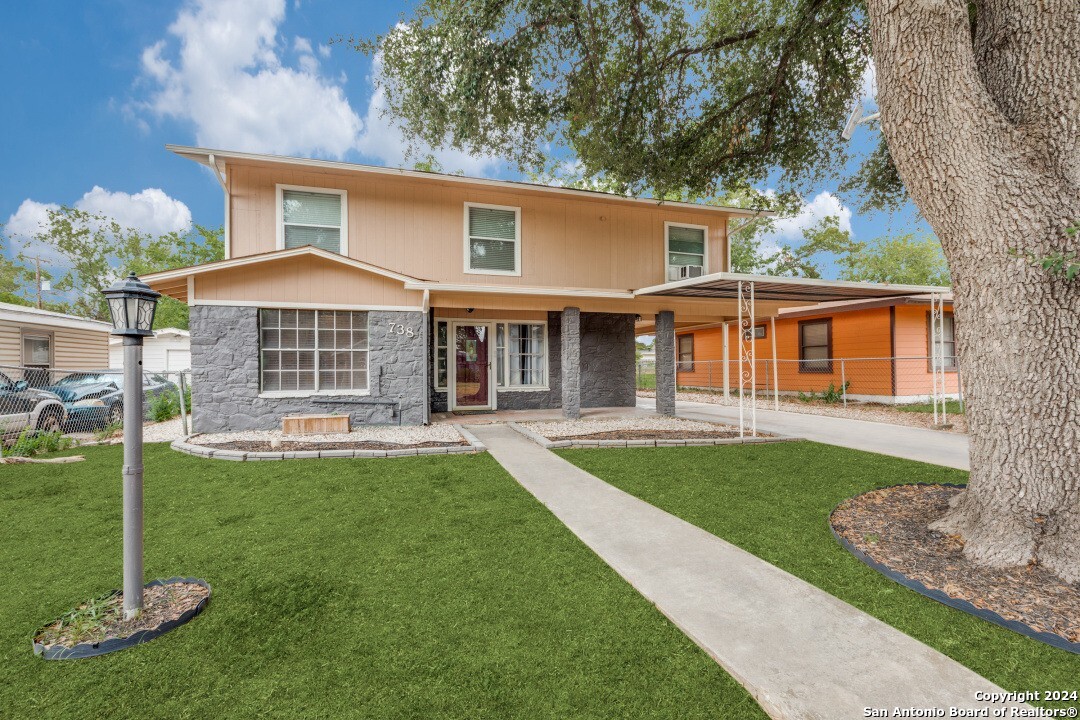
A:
(782, 289)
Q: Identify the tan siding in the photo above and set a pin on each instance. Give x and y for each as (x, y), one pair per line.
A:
(416, 227)
(303, 280)
(72, 348)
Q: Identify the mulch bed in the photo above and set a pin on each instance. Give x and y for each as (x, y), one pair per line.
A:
(295, 445)
(102, 618)
(891, 527)
(653, 435)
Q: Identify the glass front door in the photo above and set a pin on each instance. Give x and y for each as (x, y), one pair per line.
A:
(472, 367)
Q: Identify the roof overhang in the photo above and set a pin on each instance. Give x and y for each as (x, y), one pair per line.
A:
(211, 158)
(725, 286)
(519, 290)
(33, 316)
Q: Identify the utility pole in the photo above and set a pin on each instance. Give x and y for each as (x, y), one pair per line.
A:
(37, 280)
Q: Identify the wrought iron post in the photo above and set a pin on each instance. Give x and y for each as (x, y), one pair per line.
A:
(747, 354)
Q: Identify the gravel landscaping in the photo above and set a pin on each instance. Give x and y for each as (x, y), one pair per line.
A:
(630, 428)
(855, 411)
(361, 438)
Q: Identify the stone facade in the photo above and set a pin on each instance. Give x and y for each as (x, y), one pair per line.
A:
(665, 362)
(225, 374)
(571, 362)
(607, 367)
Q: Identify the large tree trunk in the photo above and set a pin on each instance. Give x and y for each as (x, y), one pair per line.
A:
(985, 133)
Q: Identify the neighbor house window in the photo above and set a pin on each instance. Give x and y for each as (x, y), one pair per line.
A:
(948, 330)
(685, 246)
(492, 239)
(686, 353)
(310, 216)
(37, 351)
(313, 350)
(815, 346)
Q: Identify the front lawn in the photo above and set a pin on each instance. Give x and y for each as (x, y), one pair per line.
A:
(952, 407)
(774, 501)
(430, 587)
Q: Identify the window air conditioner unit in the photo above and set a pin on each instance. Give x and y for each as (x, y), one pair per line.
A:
(690, 271)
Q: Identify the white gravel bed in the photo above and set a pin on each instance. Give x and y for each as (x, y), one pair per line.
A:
(163, 431)
(403, 435)
(854, 411)
(565, 428)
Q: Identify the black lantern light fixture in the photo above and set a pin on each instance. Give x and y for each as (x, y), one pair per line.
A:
(132, 305)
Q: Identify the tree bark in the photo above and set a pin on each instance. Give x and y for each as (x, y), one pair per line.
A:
(984, 130)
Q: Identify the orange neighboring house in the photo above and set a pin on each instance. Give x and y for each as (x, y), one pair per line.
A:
(880, 347)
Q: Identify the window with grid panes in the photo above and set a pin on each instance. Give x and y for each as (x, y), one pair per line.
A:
(313, 350)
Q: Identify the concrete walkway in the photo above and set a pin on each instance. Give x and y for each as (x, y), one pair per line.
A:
(799, 651)
(931, 446)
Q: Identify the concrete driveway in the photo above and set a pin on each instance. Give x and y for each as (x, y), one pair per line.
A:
(930, 446)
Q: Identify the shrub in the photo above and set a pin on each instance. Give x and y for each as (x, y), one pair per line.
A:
(33, 442)
(164, 406)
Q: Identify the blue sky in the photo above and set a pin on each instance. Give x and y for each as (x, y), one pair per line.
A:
(95, 90)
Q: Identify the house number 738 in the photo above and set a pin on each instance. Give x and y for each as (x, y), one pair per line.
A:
(399, 329)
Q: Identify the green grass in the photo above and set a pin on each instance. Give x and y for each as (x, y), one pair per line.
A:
(646, 381)
(774, 501)
(405, 588)
(952, 407)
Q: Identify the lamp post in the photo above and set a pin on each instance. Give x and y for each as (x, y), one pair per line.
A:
(132, 305)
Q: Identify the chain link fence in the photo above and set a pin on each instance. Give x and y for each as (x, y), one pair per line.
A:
(47, 409)
(901, 381)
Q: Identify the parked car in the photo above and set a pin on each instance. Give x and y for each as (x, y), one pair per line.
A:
(95, 398)
(22, 406)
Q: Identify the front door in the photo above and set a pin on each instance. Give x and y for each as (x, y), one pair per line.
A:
(472, 366)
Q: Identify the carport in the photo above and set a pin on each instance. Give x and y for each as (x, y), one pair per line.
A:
(746, 290)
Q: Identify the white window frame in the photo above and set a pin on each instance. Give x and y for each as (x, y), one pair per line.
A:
(312, 393)
(37, 335)
(505, 359)
(667, 246)
(467, 243)
(280, 213)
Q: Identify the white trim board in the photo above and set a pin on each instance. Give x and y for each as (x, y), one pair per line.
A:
(274, 305)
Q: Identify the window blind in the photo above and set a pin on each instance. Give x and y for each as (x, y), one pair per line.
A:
(492, 239)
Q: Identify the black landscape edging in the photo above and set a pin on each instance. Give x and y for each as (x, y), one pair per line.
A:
(87, 650)
(955, 603)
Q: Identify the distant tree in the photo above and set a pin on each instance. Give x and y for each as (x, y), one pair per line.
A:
(14, 278)
(906, 259)
(94, 250)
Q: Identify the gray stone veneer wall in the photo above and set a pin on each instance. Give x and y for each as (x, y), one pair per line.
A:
(225, 374)
(571, 363)
(607, 367)
(665, 362)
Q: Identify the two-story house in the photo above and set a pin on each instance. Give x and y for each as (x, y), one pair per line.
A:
(389, 294)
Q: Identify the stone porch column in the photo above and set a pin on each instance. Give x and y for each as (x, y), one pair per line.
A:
(571, 363)
(664, 344)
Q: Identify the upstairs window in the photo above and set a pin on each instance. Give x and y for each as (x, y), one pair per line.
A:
(685, 246)
(492, 239)
(312, 216)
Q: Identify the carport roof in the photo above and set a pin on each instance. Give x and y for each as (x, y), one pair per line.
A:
(725, 286)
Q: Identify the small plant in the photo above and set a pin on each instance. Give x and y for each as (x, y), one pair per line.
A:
(110, 430)
(831, 395)
(164, 406)
(85, 622)
(33, 442)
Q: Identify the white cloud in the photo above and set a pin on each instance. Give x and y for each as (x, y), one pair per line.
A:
(823, 205)
(228, 79)
(868, 92)
(221, 69)
(151, 211)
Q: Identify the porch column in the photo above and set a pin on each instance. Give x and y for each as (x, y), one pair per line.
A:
(571, 363)
(665, 362)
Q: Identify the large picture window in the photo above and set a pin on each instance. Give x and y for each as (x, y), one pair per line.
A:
(313, 351)
(527, 355)
(815, 346)
(949, 331)
(685, 247)
(311, 216)
(492, 239)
